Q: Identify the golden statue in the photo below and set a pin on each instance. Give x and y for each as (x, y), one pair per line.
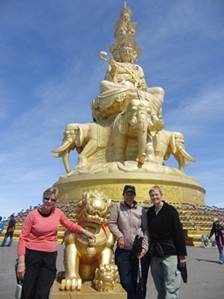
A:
(167, 143)
(124, 79)
(89, 140)
(126, 142)
(128, 134)
(86, 260)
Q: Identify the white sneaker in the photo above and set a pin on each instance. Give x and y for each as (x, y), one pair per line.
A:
(221, 262)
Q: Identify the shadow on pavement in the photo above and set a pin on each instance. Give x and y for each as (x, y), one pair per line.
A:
(209, 261)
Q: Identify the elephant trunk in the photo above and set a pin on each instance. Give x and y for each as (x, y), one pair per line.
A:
(143, 126)
(185, 154)
(142, 141)
(59, 151)
(143, 121)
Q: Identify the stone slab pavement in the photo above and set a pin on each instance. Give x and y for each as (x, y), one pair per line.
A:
(206, 275)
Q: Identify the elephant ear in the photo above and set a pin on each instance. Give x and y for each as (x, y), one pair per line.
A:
(82, 135)
(78, 136)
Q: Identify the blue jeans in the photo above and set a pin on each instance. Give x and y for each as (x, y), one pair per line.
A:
(128, 267)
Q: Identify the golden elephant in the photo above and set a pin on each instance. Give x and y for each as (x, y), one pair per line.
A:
(167, 143)
(135, 123)
(89, 140)
(92, 260)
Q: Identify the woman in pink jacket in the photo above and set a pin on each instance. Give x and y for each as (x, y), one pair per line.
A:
(37, 246)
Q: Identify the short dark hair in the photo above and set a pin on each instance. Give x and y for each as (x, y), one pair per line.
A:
(129, 188)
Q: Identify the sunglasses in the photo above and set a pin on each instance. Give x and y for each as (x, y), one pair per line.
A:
(50, 199)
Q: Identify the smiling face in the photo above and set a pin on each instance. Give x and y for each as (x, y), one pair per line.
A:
(49, 201)
(129, 198)
(156, 197)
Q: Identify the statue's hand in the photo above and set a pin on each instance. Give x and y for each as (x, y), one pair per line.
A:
(103, 55)
(71, 283)
(91, 237)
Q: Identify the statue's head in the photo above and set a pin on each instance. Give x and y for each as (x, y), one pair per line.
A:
(179, 138)
(125, 50)
(94, 207)
(126, 13)
(137, 111)
(128, 54)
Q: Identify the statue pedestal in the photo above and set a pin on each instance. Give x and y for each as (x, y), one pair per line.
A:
(87, 292)
(177, 187)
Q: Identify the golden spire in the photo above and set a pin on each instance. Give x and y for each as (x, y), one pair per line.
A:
(125, 32)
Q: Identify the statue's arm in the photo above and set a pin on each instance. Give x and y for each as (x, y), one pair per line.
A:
(157, 91)
(142, 82)
(111, 74)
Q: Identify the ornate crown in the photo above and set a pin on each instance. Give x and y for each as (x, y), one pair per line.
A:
(125, 32)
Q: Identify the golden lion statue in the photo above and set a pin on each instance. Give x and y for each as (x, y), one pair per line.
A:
(91, 260)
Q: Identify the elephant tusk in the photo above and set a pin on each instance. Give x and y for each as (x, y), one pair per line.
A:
(185, 154)
(58, 152)
(55, 154)
(66, 162)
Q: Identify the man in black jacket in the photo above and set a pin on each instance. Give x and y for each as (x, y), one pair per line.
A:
(167, 245)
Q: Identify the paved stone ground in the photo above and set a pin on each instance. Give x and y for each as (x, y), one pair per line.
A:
(206, 276)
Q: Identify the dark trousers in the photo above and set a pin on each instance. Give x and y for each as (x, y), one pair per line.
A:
(128, 269)
(221, 251)
(39, 274)
(7, 235)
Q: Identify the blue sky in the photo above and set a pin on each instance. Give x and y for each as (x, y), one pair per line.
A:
(50, 72)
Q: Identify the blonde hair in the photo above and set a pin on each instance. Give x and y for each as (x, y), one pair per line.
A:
(51, 190)
(155, 188)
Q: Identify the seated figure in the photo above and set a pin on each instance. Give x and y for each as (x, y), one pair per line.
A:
(124, 81)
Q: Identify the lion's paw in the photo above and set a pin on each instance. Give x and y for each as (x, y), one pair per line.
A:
(106, 277)
(71, 283)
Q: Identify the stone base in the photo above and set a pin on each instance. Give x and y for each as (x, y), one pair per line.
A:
(87, 292)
